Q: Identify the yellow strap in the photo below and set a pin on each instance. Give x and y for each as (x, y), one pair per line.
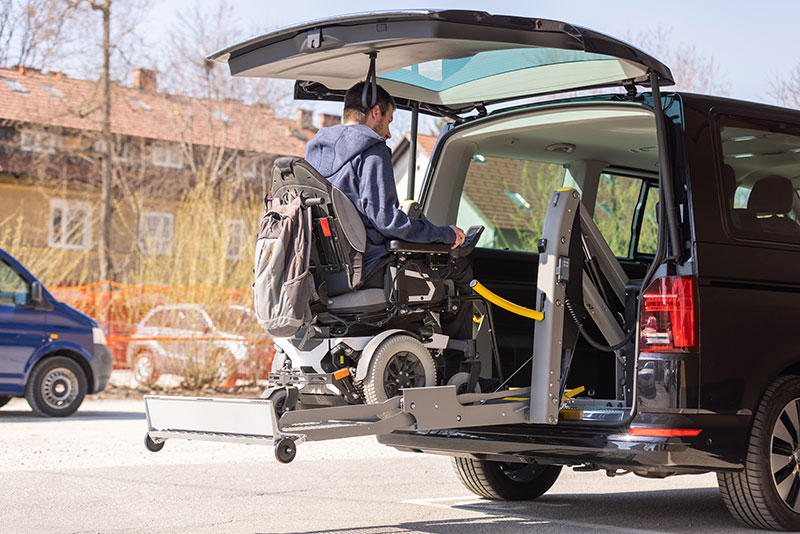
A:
(497, 300)
(572, 392)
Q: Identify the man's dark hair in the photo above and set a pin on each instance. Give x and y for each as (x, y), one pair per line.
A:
(354, 110)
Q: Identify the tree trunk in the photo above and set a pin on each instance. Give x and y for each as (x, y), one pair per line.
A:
(104, 244)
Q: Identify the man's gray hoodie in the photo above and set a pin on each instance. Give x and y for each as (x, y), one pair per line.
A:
(356, 160)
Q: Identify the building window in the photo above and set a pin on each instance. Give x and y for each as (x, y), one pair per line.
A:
(69, 224)
(38, 141)
(155, 232)
(119, 151)
(235, 239)
(167, 156)
(139, 104)
(220, 116)
(15, 86)
(248, 167)
(54, 92)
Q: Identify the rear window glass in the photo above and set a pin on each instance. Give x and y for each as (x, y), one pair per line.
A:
(760, 178)
(617, 197)
(648, 235)
(509, 197)
(522, 70)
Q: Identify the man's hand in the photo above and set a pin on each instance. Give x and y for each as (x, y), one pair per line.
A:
(459, 236)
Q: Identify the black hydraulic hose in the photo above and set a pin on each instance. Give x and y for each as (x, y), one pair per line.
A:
(589, 339)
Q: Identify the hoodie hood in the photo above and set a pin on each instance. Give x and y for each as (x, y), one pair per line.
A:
(333, 147)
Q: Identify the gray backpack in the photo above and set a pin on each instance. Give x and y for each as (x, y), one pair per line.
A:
(283, 282)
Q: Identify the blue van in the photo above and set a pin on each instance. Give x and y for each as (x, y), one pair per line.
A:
(50, 353)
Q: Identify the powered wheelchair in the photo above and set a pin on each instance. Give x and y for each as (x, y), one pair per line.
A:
(365, 345)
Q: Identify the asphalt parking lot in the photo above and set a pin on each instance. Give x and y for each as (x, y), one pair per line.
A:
(91, 473)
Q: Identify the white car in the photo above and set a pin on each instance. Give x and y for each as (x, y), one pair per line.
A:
(183, 339)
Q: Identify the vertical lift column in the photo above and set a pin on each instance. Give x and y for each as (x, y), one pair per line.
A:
(569, 238)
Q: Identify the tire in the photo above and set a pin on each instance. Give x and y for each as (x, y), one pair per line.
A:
(399, 362)
(461, 382)
(766, 493)
(4, 400)
(278, 398)
(151, 445)
(143, 366)
(56, 387)
(506, 481)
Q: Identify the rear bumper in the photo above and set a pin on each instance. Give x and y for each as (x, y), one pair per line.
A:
(602, 446)
(101, 365)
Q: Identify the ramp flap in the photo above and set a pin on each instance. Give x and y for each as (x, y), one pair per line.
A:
(245, 417)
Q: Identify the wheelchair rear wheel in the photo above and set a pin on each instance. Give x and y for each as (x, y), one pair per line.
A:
(399, 362)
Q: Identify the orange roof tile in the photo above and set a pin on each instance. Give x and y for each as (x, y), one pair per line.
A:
(148, 114)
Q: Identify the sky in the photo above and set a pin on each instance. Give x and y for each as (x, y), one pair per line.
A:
(753, 43)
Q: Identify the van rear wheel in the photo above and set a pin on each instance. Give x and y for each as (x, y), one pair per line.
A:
(4, 400)
(766, 494)
(508, 481)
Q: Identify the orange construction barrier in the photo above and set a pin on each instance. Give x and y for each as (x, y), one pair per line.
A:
(121, 309)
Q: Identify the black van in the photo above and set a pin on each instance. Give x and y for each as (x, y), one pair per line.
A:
(696, 196)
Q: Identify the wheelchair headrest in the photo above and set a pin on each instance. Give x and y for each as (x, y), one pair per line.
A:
(772, 195)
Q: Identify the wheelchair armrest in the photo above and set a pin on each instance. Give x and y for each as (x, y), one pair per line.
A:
(429, 248)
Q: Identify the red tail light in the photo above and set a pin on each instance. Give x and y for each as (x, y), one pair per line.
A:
(664, 432)
(668, 322)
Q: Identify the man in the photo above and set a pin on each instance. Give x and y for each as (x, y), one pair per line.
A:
(354, 157)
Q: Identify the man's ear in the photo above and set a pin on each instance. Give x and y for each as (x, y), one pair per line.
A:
(375, 112)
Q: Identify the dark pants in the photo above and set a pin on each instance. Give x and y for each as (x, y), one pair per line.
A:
(458, 324)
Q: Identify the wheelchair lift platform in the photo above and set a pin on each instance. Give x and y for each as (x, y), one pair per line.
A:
(570, 246)
(255, 421)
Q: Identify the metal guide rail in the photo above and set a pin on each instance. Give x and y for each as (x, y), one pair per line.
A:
(255, 421)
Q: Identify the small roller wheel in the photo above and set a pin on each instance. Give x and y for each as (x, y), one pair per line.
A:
(285, 450)
(151, 445)
(461, 382)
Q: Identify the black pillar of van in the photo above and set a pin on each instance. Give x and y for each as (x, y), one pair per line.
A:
(665, 172)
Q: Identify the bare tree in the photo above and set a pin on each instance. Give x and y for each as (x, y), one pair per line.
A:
(126, 19)
(32, 32)
(201, 30)
(692, 71)
(786, 90)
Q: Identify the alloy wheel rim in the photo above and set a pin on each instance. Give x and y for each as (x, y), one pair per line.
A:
(59, 388)
(403, 370)
(785, 454)
(521, 473)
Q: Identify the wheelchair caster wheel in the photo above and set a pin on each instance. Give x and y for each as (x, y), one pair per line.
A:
(285, 450)
(151, 445)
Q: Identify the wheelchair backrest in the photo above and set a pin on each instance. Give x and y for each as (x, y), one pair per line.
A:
(338, 234)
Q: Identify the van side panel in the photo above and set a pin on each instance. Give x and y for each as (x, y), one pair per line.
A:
(748, 291)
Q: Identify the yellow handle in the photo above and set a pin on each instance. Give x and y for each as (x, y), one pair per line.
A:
(497, 300)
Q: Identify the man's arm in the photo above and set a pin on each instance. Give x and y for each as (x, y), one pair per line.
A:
(378, 197)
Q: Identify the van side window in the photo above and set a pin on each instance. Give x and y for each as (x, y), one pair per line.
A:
(509, 197)
(14, 290)
(760, 178)
(617, 198)
(648, 234)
